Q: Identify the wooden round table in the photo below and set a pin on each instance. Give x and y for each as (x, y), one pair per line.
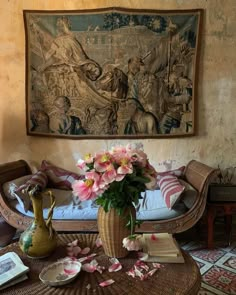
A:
(181, 278)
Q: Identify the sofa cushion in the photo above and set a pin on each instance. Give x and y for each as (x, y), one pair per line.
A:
(176, 172)
(10, 186)
(58, 177)
(151, 207)
(189, 195)
(171, 190)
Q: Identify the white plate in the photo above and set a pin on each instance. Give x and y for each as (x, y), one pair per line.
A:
(60, 273)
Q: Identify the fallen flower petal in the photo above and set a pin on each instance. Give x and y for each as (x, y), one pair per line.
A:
(106, 283)
(116, 265)
(157, 265)
(98, 242)
(70, 271)
(142, 256)
(85, 250)
(151, 272)
(88, 267)
(82, 259)
(154, 237)
(131, 273)
(142, 265)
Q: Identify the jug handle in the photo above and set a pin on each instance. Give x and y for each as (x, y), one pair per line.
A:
(50, 213)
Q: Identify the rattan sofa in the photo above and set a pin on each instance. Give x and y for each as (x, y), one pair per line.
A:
(197, 174)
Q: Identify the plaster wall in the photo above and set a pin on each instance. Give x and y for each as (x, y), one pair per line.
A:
(215, 142)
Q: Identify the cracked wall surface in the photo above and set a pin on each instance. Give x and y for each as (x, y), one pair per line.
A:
(215, 142)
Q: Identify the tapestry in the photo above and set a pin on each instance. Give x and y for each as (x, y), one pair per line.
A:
(111, 73)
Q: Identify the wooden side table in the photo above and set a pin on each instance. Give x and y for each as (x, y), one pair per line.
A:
(182, 278)
(221, 200)
(219, 208)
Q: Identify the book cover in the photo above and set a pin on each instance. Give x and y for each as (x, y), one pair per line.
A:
(11, 267)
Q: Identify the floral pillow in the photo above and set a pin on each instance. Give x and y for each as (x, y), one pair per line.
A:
(58, 177)
(171, 190)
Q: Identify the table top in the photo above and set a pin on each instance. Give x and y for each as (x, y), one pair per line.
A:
(181, 278)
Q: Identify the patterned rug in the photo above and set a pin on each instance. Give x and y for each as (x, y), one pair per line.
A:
(217, 266)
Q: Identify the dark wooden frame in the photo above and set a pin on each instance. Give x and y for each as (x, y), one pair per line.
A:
(197, 174)
(189, 121)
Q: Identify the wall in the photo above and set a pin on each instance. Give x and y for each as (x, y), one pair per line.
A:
(215, 142)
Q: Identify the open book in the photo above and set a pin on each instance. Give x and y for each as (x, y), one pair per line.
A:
(12, 270)
(162, 247)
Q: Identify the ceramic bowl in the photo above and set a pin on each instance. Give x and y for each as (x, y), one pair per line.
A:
(60, 273)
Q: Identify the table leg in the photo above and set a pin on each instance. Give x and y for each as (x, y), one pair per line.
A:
(210, 223)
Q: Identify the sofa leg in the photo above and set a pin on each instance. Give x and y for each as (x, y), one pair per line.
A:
(7, 232)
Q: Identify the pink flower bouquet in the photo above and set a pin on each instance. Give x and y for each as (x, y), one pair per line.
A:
(115, 178)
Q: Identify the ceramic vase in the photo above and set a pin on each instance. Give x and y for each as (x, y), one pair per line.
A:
(112, 230)
(39, 239)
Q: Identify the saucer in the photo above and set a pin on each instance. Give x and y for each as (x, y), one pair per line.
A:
(60, 273)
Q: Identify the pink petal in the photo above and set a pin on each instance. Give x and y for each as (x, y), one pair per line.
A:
(88, 267)
(115, 267)
(85, 250)
(131, 273)
(151, 272)
(87, 257)
(76, 250)
(70, 271)
(106, 283)
(98, 242)
(153, 237)
(142, 256)
(142, 265)
(157, 265)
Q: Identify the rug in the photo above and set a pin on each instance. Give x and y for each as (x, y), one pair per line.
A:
(217, 266)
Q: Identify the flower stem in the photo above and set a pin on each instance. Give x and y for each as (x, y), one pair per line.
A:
(131, 222)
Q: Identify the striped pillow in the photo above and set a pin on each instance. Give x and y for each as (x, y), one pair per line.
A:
(40, 179)
(171, 190)
(176, 172)
(58, 177)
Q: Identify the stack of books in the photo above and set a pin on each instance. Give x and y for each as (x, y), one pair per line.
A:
(12, 270)
(162, 247)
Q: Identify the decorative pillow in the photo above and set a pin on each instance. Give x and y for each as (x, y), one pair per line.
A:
(58, 177)
(22, 196)
(10, 186)
(176, 172)
(171, 190)
(39, 178)
(189, 195)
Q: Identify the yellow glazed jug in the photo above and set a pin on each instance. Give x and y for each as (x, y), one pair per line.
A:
(39, 239)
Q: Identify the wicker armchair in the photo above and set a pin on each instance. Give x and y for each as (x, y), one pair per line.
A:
(197, 174)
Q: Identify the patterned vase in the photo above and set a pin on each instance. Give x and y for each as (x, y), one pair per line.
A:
(39, 239)
(112, 230)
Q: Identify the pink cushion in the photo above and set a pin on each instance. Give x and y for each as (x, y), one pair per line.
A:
(58, 177)
(171, 190)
